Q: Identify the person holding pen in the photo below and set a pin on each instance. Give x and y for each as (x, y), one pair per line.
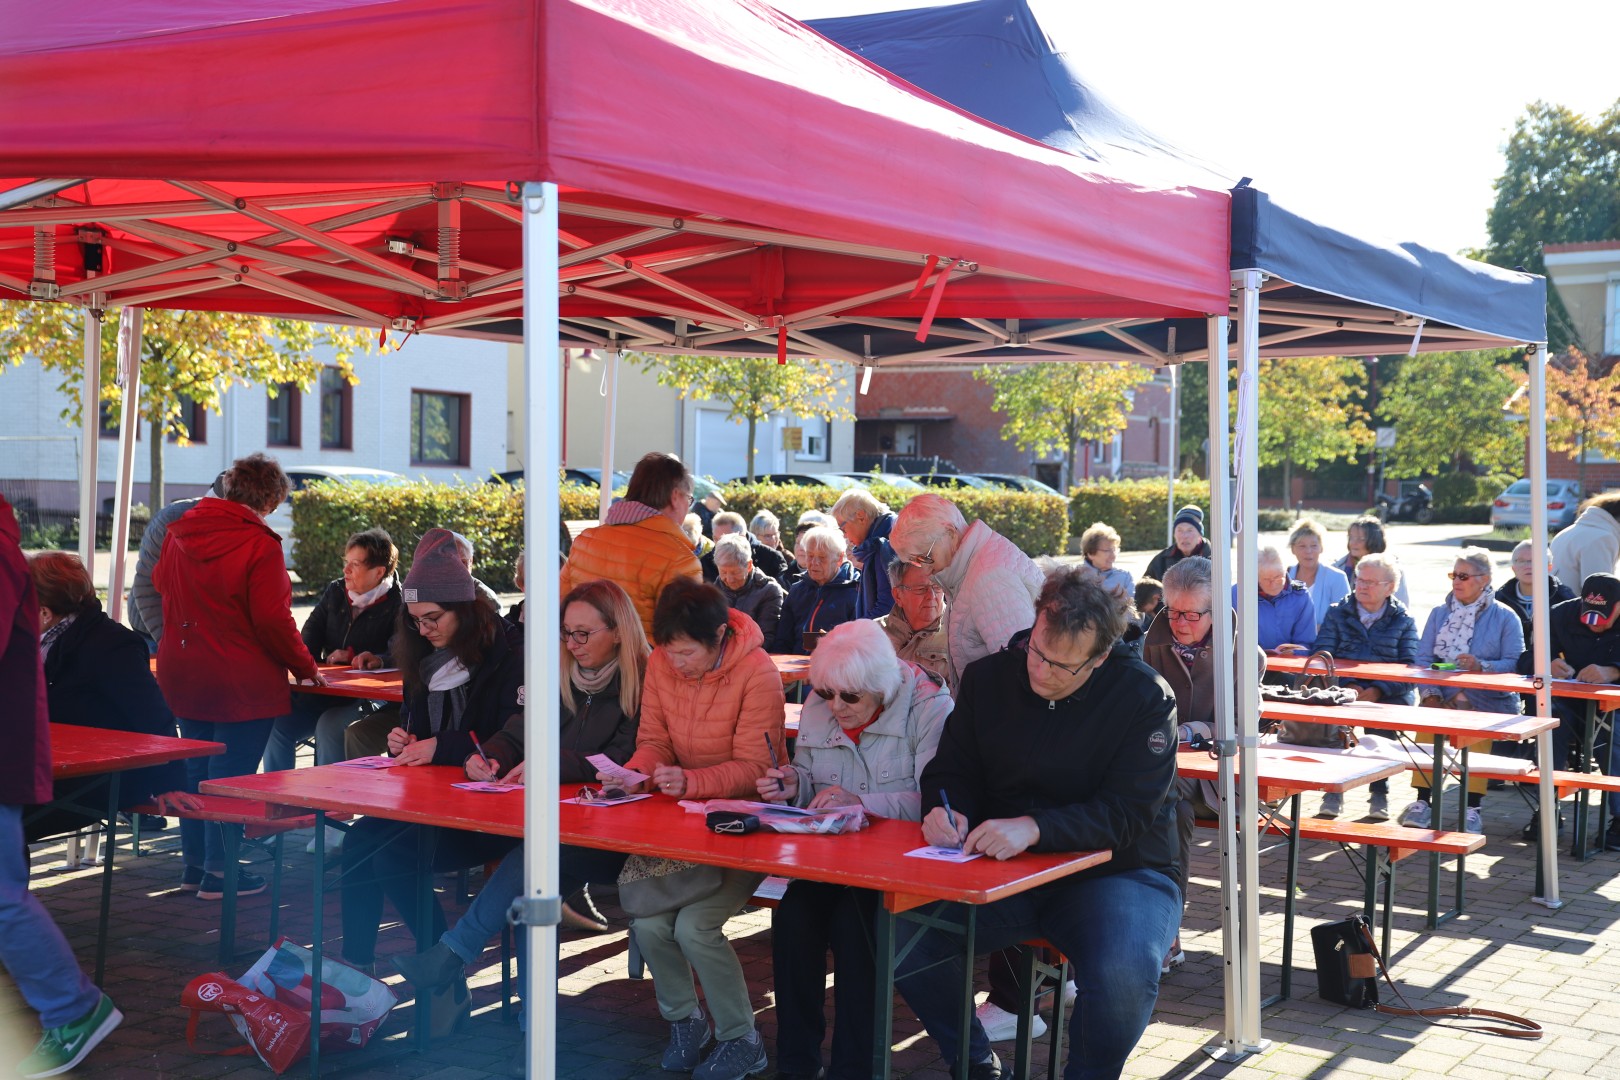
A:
(1059, 744)
(865, 736)
(461, 681)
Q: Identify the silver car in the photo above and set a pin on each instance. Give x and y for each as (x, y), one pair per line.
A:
(1512, 507)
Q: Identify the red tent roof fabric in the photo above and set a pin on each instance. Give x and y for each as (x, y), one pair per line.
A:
(721, 108)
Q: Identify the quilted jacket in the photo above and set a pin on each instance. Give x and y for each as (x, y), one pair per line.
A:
(714, 727)
(992, 588)
(640, 556)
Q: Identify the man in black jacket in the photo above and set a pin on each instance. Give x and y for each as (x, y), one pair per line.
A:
(1058, 745)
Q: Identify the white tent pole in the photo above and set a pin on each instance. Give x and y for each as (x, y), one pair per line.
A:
(610, 423)
(89, 439)
(1248, 642)
(1536, 360)
(1174, 454)
(540, 908)
(1220, 520)
(129, 373)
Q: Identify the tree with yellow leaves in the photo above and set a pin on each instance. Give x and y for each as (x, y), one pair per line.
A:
(1311, 413)
(1053, 407)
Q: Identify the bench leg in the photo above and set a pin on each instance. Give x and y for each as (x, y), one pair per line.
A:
(227, 910)
(1286, 989)
(1029, 977)
(883, 999)
(106, 878)
(506, 974)
(1060, 1022)
(275, 891)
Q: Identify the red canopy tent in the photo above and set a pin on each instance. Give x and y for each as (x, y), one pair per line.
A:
(711, 162)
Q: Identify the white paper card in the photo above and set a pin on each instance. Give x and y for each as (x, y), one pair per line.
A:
(616, 774)
(380, 761)
(943, 854)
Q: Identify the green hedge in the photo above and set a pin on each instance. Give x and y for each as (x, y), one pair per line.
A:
(1136, 508)
(1038, 524)
(1456, 490)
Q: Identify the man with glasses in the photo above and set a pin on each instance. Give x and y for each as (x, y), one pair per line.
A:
(1371, 624)
(1057, 744)
(639, 546)
(916, 623)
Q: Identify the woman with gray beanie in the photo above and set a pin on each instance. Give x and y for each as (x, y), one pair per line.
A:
(461, 678)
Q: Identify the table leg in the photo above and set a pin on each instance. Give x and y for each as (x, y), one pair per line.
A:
(883, 1002)
(970, 924)
(425, 845)
(1459, 903)
(111, 833)
(1437, 783)
(315, 944)
(227, 908)
(1029, 979)
(1291, 838)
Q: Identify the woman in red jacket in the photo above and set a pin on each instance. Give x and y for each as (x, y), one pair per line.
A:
(229, 641)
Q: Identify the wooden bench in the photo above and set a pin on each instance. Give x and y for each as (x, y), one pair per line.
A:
(1565, 783)
(242, 819)
(1384, 844)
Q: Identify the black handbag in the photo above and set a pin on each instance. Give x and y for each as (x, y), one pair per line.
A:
(1317, 689)
(1347, 971)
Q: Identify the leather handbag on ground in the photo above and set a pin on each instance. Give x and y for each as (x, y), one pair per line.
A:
(1347, 970)
(1313, 689)
(649, 885)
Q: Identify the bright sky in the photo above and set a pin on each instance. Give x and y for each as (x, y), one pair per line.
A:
(1385, 118)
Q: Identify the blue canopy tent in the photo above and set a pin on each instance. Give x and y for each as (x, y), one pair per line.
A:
(1300, 288)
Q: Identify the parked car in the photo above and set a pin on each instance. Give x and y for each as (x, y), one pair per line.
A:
(952, 480)
(836, 481)
(302, 476)
(893, 479)
(1018, 483)
(588, 477)
(1512, 507)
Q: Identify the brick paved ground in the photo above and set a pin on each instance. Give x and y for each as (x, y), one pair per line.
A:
(1562, 968)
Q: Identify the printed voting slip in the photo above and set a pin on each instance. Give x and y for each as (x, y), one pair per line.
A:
(616, 774)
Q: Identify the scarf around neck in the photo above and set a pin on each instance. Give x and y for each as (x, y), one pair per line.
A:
(594, 681)
(1456, 637)
(447, 680)
(360, 601)
(48, 638)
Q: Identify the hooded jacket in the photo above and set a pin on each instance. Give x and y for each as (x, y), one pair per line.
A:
(1591, 545)
(1095, 770)
(1287, 618)
(882, 770)
(495, 696)
(229, 637)
(334, 624)
(810, 607)
(876, 595)
(25, 767)
(1392, 639)
(991, 587)
(714, 727)
(641, 556)
(760, 598)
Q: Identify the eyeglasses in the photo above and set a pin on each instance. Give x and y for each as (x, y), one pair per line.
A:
(1368, 582)
(931, 588)
(848, 697)
(429, 621)
(1031, 647)
(1175, 615)
(582, 637)
(925, 559)
(1465, 577)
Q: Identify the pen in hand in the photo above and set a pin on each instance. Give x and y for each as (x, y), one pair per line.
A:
(950, 815)
(770, 748)
(478, 746)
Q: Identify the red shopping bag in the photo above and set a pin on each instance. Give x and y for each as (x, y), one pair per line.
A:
(269, 1005)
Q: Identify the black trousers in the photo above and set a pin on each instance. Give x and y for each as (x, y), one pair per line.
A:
(813, 918)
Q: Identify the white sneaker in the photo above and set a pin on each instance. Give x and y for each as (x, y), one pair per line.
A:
(1417, 816)
(1070, 992)
(1001, 1025)
(334, 841)
(1472, 821)
(1378, 807)
(1332, 805)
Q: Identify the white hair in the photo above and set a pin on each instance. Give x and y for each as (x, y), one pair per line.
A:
(765, 521)
(692, 526)
(857, 656)
(860, 499)
(927, 518)
(733, 549)
(1270, 556)
(1385, 562)
(465, 545)
(826, 539)
(810, 519)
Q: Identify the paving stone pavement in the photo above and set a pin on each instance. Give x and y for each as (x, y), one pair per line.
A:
(1561, 968)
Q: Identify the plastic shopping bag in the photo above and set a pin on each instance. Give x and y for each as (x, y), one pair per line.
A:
(269, 1005)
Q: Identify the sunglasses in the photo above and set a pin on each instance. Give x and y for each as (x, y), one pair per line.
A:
(1465, 577)
(848, 697)
(606, 794)
(925, 559)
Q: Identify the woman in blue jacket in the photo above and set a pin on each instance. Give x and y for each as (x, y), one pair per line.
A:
(1370, 624)
(1326, 583)
(1477, 632)
(822, 599)
(1287, 614)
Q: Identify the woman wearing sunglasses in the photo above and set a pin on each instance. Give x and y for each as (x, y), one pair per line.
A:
(461, 679)
(864, 736)
(1477, 632)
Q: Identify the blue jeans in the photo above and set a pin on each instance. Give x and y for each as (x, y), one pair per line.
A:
(1115, 931)
(325, 717)
(202, 843)
(32, 948)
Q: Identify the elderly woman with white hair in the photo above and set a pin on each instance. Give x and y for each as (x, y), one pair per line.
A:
(824, 597)
(1287, 614)
(1515, 592)
(866, 521)
(746, 587)
(991, 585)
(864, 737)
(1476, 632)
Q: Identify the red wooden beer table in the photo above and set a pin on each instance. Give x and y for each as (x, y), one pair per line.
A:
(870, 859)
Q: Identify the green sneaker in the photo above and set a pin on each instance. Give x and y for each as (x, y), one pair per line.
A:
(60, 1049)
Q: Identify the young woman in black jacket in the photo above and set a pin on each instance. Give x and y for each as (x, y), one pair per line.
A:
(460, 678)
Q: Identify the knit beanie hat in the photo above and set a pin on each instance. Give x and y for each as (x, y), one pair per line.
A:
(437, 574)
(1190, 515)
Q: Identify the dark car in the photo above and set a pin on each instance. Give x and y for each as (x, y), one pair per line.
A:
(588, 477)
(1018, 483)
(951, 480)
(835, 481)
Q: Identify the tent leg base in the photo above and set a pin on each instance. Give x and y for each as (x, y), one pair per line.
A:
(1546, 903)
(1233, 1051)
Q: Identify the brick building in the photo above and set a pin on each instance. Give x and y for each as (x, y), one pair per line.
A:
(1587, 278)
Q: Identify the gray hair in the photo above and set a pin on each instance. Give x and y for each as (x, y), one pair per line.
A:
(825, 538)
(1074, 600)
(465, 546)
(1192, 573)
(730, 519)
(857, 656)
(733, 549)
(927, 518)
(764, 521)
(861, 499)
(1478, 558)
(1381, 560)
(1270, 556)
(1306, 527)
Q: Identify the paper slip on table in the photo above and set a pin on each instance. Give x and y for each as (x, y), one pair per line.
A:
(1601, 700)
(870, 859)
(78, 752)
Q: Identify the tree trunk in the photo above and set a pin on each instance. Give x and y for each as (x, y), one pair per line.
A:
(1068, 467)
(751, 423)
(1288, 482)
(154, 493)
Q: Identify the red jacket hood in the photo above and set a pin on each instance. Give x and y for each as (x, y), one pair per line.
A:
(215, 528)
